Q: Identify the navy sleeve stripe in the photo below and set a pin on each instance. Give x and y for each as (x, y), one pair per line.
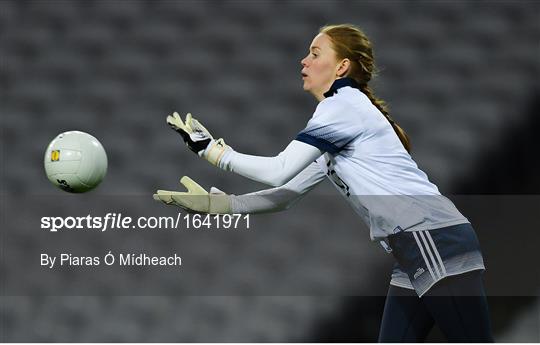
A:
(319, 143)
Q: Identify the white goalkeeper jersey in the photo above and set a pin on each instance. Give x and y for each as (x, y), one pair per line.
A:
(355, 146)
(368, 164)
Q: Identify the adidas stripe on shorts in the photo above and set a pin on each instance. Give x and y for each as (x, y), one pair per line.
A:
(425, 257)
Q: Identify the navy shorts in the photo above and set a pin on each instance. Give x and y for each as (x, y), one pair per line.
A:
(428, 256)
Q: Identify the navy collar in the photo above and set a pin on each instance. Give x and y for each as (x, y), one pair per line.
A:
(339, 83)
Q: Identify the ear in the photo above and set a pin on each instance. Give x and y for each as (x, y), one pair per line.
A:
(343, 67)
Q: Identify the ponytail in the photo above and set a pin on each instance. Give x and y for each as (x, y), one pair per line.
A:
(381, 105)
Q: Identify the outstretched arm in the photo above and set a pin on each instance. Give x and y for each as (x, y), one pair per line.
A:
(197, 199)
(279, 198)
(274, 171)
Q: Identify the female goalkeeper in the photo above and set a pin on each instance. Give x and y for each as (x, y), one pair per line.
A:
(352, 141)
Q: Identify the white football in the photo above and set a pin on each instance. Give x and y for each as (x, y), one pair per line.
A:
(75, 162)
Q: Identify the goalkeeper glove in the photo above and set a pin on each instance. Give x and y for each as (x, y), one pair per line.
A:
(196, 199)
(198, 138)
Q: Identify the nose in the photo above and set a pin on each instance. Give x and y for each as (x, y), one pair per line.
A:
(303, 62)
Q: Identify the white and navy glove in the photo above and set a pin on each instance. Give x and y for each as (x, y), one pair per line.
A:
(196, 199)
(198, 138)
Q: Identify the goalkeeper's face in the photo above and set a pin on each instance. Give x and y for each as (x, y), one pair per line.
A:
(320, 67)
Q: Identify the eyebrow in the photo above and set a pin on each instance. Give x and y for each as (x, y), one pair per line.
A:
(314, 47)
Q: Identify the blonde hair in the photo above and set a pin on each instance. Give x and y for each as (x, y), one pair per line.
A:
(349, 42)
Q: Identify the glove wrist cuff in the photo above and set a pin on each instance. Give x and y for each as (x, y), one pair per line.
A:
(220, 204)
(215, 151)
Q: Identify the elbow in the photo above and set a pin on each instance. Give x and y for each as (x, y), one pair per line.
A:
(279, 180)
(274, 179)
(275, 183)
(281, 175)
(288, 204)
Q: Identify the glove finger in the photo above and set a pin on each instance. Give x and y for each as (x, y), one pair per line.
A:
(173, 121)
(172, 202)
(167, 200)
(182, 200)
(170, 192)
(163, 196)
(176, 122)
(193, 187)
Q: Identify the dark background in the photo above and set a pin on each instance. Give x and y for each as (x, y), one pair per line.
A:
(460, 76)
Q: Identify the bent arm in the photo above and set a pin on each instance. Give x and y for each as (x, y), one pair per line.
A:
(279, 198)
(274, 171)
